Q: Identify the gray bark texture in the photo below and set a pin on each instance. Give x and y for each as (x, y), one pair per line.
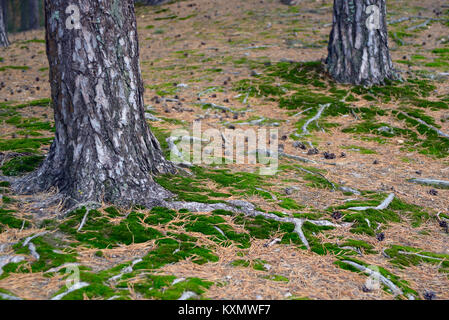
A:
(358, 46)
(4, 42)
(103, 148)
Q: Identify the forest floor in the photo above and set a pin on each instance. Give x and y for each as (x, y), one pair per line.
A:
(263, 60)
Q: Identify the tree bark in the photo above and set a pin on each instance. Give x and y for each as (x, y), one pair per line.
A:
(103, 148)
(4, 42)
(358, 45)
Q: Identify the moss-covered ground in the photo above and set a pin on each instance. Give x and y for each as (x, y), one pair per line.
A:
(264, 62)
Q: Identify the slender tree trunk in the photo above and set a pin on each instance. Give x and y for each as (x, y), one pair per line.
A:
(103, 148)
(4, 42)
(24, 15)
(358, 45)
(34, 15)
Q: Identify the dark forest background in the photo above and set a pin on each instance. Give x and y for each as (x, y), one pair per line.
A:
(19, 16)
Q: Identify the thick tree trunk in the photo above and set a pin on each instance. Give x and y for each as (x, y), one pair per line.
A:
(358, 45)
(3, 35)
(103, 148)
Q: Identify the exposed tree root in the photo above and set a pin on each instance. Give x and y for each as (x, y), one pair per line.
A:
(421, 25)
(440, 133)
(4, 260)
(8, 297)
(431, 182)
(216, 106)
(420, 255)
(126, 270)
(396, 290)
(248, 209)
(295, 157)
(319, 174)
(31, 246)
(382, 206)
(350, 190)
(75, 287)
(27, 240)
(315, 118)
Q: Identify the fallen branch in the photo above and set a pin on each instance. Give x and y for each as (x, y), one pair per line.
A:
(382, 206)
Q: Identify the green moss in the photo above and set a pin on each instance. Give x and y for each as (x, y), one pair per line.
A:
(276, 277)
(172, 251)
(361, 150)
(21, 165)
(259, 265)
(48, 257)
(100, 233)
(359, 244)
(164, 288)
(192, 188)
(396, 211)
(7, 219)
(30, 123)
(240, 263)
(290, 204)
(23, 145)
(402, 256)
(402, 284)
(4, 68)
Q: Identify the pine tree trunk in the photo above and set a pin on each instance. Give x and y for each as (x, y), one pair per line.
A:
(103, 148)
(358, 45)
(3, 35)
